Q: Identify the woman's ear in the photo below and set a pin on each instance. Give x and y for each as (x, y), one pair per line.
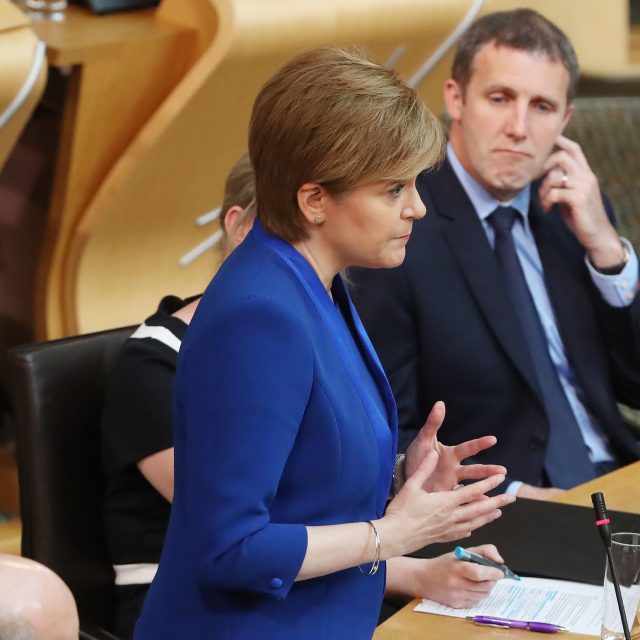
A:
(236, 226)
(312, 202)
(242, 229)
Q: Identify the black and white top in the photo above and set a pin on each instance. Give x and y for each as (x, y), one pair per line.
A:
(136, 423)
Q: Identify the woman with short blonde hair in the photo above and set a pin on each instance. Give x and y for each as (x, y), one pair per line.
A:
(354, 122)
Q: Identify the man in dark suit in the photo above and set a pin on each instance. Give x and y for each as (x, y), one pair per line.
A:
(516, 303)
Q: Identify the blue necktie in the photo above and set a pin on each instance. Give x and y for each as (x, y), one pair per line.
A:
(566, 460)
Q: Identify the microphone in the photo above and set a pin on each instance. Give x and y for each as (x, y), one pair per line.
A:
(603, 522)
(602, 519)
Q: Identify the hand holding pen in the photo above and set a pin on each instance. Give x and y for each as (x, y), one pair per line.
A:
(470, 556)
(446, 580)
(503, 623)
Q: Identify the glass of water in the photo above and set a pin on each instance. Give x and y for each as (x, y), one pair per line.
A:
(625, 551)
(46, 9)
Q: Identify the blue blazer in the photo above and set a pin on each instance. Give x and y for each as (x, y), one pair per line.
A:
(283, 418)
(445, 330)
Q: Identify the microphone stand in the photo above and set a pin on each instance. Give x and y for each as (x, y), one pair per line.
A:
(602, 522)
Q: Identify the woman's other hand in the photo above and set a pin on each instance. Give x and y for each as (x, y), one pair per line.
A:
(416, 517)
(449, 470)
(444, 579)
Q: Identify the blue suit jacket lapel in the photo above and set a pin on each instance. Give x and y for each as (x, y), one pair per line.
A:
(330, 315)
(373, 362)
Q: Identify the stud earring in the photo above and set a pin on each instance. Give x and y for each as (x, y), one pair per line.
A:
(318, 220)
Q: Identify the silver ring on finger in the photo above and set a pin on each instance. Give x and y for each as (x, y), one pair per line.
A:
(565, 180)
(457, 486)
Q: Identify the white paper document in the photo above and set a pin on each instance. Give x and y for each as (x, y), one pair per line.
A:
(575, 606)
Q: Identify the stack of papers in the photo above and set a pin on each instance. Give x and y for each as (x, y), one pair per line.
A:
(575, 606)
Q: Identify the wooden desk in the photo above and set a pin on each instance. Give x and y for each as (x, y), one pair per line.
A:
(621, 492)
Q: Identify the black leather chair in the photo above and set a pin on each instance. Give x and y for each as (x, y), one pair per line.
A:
(56, 393)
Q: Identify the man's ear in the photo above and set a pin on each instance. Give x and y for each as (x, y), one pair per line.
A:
(567, 116)
(312, 201)
(453, 99)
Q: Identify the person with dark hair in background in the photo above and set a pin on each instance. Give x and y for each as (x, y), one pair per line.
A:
(517, 301)
(284, 424)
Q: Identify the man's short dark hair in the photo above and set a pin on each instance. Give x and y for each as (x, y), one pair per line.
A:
(522, 29)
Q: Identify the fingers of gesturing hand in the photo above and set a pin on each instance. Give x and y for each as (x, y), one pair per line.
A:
(470, 492)
(426, 440)
(464, 528)
(415, 518)
(450, 471)
(468, 517)
(472, 447)
(433, 422)
(420, 476)
(473, 503)
(458, 516)
(478, 471)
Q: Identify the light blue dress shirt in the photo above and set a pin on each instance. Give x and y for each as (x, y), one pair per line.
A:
(617, 290)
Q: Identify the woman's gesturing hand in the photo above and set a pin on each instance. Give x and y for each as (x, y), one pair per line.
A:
(416, 517)
(449, 470)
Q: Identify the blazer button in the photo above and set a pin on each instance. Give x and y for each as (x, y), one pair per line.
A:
(537, 442)
(276, 583)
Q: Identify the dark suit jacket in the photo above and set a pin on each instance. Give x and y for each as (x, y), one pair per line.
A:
(445, 330)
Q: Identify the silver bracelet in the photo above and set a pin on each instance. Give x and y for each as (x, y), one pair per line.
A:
(376, 556)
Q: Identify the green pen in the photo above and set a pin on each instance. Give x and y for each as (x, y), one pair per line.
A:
(469, 556)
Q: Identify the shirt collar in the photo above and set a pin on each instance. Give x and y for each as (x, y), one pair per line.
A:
(483, 202)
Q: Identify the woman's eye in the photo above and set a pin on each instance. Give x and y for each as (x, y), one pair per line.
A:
(395, 192)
